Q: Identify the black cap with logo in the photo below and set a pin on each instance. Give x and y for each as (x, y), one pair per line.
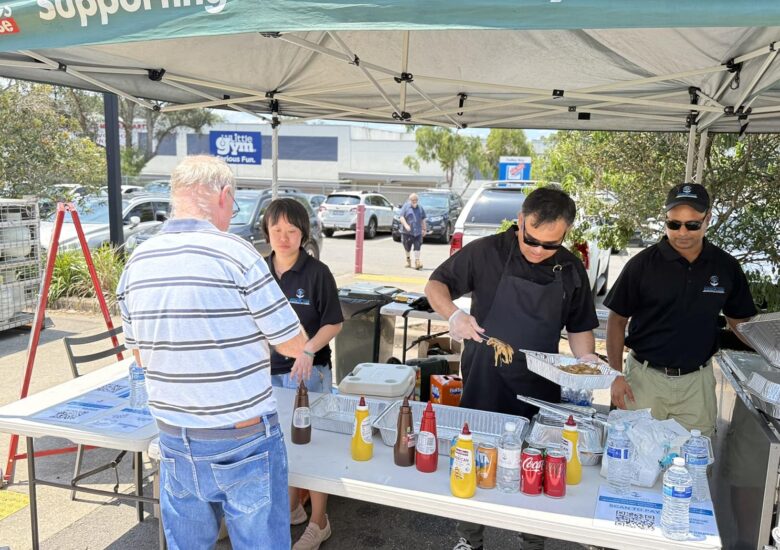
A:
(689, 194)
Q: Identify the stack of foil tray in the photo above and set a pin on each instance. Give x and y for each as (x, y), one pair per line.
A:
(485, 427)
(336, 412)
(764, 390)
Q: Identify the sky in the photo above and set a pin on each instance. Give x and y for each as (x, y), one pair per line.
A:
(243, 118)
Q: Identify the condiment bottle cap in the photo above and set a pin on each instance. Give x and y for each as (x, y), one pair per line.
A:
(466, 430)
(362, 402)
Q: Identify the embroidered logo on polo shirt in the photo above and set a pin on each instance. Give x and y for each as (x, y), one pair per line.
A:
(714, 287)
(299, 298)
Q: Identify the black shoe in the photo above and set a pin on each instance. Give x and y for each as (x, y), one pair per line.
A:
(463, 544)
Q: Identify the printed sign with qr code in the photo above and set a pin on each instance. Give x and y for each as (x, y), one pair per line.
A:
(635, 520)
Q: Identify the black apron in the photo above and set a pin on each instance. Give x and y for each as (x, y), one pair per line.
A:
(525, 315)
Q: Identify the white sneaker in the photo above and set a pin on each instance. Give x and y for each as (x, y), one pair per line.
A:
(298, 516)
(313, 536)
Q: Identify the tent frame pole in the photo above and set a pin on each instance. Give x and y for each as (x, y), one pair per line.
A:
(691, 154)
(703, 140)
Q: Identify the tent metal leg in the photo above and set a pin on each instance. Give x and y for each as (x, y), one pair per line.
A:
(691, 153)
(33, 497)
(703, 140)
(275, 162)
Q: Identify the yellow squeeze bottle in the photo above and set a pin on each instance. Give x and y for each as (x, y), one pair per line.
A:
(362, 436)
(463, 476)
(571, 449)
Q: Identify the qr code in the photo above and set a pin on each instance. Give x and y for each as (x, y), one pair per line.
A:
(110, 388)
(634, 519)
(69, 414)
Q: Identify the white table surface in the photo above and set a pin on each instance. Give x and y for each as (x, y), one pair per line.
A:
(16, 417)
(325, 465)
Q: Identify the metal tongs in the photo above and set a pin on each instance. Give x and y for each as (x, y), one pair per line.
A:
(581, 414)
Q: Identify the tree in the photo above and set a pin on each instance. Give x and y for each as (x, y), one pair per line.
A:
(41, 147)
(623, 178)
(499, 143)
(453, 151)
(86, 108)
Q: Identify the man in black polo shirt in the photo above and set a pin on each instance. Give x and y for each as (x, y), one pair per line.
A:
(525, 288)
(673, 292)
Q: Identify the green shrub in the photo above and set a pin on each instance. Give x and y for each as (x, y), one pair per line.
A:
(70, 277)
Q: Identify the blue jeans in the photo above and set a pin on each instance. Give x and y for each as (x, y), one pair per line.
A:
(320, 381)
(244, 480)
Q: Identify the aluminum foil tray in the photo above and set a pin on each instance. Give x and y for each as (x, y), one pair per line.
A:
(763, 333)
(336, 413)
(547, 365)
(765, 385)
(771, 409)
(486, 427)
(546, 432)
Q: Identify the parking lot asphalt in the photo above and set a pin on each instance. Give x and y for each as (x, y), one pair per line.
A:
(95, 522)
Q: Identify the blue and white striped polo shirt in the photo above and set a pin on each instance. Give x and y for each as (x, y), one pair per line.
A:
(201, 307)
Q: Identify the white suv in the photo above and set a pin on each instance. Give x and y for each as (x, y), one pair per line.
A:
(339, 212)
(495, 202)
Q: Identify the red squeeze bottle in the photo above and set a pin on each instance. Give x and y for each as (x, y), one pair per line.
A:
(427, 449)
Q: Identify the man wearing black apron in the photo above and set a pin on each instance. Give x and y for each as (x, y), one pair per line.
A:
(525, 288)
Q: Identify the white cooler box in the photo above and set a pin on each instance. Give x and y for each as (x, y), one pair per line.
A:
(379, 381)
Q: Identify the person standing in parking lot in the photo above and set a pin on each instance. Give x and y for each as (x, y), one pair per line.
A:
(673, 293)
(413, 229)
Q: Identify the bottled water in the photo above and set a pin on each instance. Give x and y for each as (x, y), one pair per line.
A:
(619, 460)
(677, 490)
(509, 448)
(138, 396)
(697, 456)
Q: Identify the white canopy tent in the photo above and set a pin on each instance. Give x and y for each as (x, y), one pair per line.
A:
(689, 79)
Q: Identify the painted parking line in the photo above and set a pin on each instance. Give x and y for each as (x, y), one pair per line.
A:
(391, 279)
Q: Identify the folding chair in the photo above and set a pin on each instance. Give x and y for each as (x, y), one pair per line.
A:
(75, 362)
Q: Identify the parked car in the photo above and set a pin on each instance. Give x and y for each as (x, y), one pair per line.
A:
(158, 186)
(248, 223)
(495, 202)
(339, 212)
(442, 207)
(316, 200)
(140, 211)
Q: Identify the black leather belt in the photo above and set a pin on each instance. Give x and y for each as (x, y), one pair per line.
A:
(668, 371)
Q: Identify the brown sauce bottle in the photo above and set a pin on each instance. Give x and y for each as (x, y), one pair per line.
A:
(301, 418)
(403, 451)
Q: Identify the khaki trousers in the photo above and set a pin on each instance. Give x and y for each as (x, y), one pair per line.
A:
(689, 399)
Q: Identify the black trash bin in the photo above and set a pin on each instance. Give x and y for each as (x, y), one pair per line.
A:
(367, 336)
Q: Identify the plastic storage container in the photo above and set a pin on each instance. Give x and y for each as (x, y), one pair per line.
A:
(367, 336)
(379, 381)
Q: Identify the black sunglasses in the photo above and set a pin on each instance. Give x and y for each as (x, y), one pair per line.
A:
(693, 225)
(530, 241)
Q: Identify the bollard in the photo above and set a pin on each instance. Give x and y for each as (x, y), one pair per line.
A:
(359, 232)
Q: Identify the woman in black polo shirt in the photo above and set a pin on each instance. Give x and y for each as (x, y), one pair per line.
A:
(311, 289)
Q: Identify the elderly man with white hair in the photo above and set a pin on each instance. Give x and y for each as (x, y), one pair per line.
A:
(199, 310)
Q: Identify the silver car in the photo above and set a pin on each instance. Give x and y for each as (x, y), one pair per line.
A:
(339, 212)
(495, 202)
(140, 211)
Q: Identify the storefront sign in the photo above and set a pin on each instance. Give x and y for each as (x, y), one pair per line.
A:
(236, 147)
(514, 168)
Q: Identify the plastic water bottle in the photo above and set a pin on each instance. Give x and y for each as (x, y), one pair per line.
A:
(678, 487)
(697, 456)
(509, 448)
(619, 460)
(138, 396)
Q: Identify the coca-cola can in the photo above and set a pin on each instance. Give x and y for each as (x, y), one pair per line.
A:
(531, 471)
(555, 474)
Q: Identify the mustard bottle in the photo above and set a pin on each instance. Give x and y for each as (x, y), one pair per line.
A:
(362, 436)
(571, 449)
(463, 476)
